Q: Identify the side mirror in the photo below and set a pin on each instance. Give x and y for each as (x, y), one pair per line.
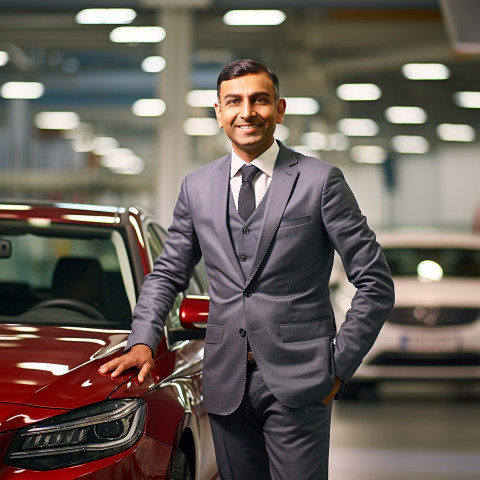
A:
(193, 318)
(194, 313)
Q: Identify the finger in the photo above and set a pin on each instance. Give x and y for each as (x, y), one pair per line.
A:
(144, 372)
(106, 367)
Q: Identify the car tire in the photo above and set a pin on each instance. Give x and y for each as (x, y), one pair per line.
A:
(180, 467)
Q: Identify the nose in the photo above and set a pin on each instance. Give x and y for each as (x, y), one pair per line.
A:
(247, 110)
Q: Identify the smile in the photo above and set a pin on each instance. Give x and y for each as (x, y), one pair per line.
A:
(248, 127)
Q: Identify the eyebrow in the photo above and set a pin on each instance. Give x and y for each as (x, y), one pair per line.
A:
(254, 94)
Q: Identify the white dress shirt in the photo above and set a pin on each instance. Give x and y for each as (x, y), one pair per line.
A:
(265, 162)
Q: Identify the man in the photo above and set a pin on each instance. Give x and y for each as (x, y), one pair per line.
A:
(273, 361)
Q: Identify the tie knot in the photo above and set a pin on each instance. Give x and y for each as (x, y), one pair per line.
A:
(248, 172)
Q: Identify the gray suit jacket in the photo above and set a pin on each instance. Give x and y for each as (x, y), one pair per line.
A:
(284, 305)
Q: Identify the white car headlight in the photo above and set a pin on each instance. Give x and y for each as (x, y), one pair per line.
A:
(79, 436)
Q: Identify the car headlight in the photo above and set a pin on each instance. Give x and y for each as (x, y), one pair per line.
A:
(79, 436)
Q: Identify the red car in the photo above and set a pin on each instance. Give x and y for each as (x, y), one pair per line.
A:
(70, 276)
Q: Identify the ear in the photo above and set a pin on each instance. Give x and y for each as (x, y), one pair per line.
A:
(219, 115)
(281, 107)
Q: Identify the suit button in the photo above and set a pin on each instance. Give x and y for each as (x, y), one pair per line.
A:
(248, 293)
(243, 258)
(246, 230)
(242, 332)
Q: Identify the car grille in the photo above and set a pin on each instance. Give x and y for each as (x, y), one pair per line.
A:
(458, 359)
(433, 317)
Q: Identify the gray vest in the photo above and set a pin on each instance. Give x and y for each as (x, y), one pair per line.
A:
(245, 235)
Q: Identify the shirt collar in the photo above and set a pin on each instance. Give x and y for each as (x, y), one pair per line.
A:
(265, 162)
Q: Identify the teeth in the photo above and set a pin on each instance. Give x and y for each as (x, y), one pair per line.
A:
(246, 127)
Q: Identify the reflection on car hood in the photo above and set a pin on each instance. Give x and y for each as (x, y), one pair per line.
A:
(54, 367)
(450, 292)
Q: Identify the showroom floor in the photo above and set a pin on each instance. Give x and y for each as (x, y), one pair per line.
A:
(419, 432)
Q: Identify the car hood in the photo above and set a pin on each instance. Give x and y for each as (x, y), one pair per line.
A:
(449, 292)
(45, 368)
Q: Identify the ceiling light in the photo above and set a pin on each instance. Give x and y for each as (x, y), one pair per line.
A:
(358, 91)
(201, 126)
(301, 106)
(410, 144)
(315, 140)
(123, 164)
(22, 90)
(425, 71)
(149, 107)
(99, 16)
(137, 34)
(467, 99)
(325, 141)
(154, 64)
(57, 120)
(254, 17)
(202, 98)
(358, 127)
(368, 154)
(450, 132)
(4, 57)
(410, 115)
(103, 144)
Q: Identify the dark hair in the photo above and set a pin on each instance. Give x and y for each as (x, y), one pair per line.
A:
(238, 68)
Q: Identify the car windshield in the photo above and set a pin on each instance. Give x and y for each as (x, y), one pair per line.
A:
(65, 275)
(439, 262)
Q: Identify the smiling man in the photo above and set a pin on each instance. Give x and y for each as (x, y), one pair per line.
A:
(267, 221)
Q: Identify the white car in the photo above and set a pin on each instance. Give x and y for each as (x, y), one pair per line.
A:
(433, 332)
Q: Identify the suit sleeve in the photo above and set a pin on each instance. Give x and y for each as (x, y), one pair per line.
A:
(366, 268)
(171, 275)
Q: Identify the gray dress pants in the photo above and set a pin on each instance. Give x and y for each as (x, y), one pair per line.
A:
(265, 440)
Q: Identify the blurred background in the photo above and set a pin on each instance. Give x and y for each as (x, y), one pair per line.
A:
(116, 106)
(111, 102)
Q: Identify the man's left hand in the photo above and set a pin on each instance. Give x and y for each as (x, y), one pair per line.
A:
(336, 385)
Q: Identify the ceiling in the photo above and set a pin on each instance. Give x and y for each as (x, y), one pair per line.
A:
(321, 45)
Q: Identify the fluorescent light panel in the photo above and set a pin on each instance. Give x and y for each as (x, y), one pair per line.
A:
(154, 64)
(410, 144)
(358, 127)
(105, 16)
(368, 154)
(149, 107)
(4, 57)
(425, 71)
(201, 126)
(137, 34)
(201, 98)
(467, 99)
(57, 120)
(254, 17)
(406, 115)
(325, 141)
(450, 132)
(301, 106)
(359, 92)
(22, 90)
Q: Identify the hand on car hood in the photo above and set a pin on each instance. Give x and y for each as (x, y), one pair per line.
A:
(54, 367)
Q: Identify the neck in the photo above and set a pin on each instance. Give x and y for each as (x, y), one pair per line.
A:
(250, 155)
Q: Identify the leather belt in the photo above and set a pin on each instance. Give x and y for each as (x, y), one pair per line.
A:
(251, 358)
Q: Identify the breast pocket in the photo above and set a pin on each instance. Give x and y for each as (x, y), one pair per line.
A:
(295, 222)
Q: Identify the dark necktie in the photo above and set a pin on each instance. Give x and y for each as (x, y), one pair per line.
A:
(246, 197)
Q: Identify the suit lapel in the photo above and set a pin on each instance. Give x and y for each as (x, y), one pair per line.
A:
(220, 191)
(284, 176)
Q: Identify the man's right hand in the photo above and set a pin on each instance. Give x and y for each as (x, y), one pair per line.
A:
(139, 356)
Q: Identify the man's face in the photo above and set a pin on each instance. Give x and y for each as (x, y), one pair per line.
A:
(248, 112)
